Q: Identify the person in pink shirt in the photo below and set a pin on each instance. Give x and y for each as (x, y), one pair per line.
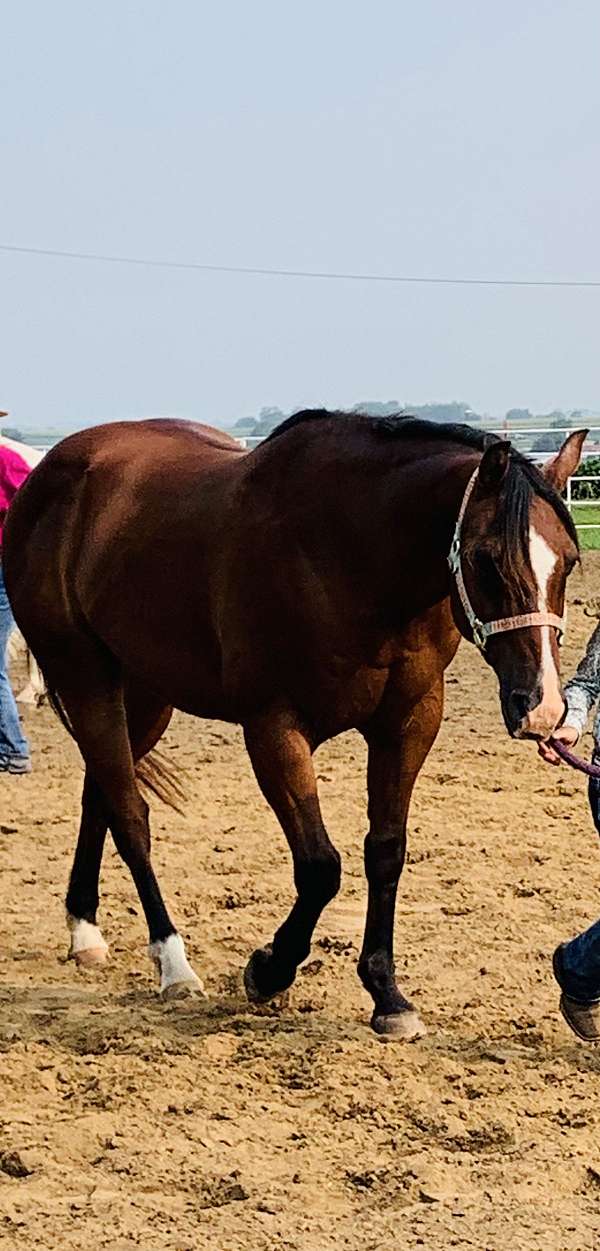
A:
(14, 748)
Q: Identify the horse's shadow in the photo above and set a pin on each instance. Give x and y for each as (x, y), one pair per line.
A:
(88, 1021)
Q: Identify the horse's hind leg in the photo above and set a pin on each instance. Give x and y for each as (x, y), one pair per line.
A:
(88, 946)
(281, 757)
(99, 721)
(147, 720)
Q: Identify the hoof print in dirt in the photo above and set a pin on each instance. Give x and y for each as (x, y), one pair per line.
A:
(12, 1164)
(216, 1192)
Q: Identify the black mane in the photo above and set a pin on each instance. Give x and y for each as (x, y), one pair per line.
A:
(523, 480)
(393, 426)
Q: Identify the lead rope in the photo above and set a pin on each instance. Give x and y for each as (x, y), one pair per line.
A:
(576, 762)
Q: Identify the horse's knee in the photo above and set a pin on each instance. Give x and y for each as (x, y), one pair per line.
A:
(384, 857)
(318, 880)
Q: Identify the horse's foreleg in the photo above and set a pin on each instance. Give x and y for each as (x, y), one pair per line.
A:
(281, 757)
(397, 748)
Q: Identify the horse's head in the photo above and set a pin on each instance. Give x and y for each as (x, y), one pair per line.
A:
(513, 551)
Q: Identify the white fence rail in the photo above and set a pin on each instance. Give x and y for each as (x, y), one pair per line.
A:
(521, 434)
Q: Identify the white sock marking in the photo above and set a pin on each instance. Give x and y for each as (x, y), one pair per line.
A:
(84, 935)
(172, 963)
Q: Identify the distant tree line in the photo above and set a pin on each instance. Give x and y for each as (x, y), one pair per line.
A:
(454, 411)
(261, 424)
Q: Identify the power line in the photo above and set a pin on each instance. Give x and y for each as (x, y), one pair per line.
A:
(326, 275)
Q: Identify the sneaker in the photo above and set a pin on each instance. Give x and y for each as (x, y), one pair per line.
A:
(16, 764)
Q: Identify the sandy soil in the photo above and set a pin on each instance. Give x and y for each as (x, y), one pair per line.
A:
(194, 1126)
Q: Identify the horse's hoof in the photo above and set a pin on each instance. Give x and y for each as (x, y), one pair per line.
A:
(399, 1026)
(582, 1018)
(257, 961)
(256, 992)
(191, 989)
(177, 977)
(90, 957)
(88, 947)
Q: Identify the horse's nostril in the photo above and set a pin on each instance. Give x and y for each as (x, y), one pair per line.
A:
(520, 705)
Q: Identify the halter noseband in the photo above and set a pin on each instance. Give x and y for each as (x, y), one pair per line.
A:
(480, 630)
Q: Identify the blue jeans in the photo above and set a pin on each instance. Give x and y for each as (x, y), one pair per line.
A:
(13, 744)
(594, 794)
(579, 966)
(577, 962)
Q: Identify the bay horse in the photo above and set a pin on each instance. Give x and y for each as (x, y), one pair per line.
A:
(300, 589)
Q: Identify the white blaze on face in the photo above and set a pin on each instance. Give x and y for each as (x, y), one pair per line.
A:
(544, 718)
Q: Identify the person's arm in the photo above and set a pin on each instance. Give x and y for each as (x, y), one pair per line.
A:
(583, 690)
(581, 693)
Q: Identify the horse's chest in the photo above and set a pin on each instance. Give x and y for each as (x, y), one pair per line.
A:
(337, 701)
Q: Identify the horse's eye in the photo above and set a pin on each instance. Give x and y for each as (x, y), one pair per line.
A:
(486, 566)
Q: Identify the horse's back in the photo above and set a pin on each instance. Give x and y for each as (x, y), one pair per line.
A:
(135, 444)
(123, 456)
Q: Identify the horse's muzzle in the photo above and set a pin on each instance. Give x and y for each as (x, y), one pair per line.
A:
(528, 715)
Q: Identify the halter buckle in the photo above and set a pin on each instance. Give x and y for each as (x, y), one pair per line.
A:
(479, 634)
(454, 553)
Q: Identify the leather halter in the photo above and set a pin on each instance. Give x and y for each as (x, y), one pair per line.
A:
(481, 630)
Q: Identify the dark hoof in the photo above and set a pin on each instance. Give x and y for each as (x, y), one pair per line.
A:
(399, 1026)
(259, 984)
(582, 1018)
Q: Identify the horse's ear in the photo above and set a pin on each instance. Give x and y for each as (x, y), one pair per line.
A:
(493, 465)
(561, 467)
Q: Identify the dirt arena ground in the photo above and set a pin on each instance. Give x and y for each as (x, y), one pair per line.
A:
(128, 1123)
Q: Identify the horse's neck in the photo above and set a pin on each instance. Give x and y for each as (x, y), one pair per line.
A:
(415, 527)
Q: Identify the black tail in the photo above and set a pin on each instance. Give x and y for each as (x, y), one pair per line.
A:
(152, 771)
(58, 707)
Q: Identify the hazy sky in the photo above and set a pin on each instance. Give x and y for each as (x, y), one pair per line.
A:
(448, 137)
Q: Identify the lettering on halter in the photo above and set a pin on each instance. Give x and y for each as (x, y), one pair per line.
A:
(481, 631)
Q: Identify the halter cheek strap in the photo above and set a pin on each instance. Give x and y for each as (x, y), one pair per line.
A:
(482, 631)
